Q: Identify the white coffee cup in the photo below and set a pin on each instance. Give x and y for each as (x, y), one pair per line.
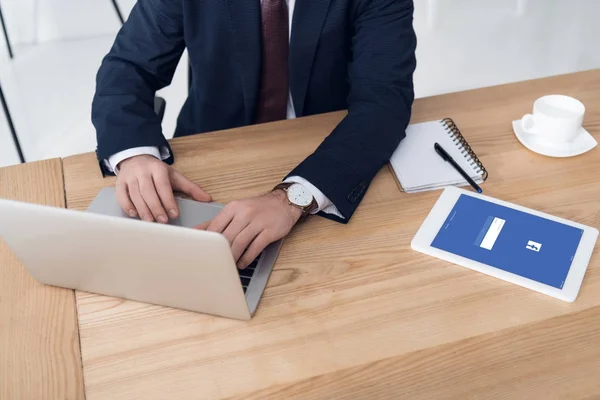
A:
(556, 118)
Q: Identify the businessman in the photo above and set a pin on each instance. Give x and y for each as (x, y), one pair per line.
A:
(257, 61)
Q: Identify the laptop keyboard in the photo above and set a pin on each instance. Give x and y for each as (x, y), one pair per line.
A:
(247, 273)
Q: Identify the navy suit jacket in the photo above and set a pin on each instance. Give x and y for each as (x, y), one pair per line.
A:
(357, 55)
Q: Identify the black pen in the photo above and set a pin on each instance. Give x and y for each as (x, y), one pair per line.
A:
(446, 157)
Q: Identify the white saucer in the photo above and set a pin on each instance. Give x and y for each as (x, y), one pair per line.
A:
(582, 143)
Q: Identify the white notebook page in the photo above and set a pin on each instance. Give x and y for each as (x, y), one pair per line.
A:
(417, 165)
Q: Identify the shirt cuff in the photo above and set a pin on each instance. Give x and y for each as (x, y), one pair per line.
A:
(114, 160)
(324, 204)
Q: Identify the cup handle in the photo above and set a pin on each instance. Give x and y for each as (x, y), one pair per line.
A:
(528, 123)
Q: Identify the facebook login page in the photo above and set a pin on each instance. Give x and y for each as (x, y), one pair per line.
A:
(514, 241)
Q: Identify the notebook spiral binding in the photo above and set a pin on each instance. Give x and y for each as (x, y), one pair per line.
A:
(464, 147)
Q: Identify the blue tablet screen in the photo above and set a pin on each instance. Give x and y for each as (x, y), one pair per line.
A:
(514, 241)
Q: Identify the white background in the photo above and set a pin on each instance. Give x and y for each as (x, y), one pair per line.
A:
(462, 44)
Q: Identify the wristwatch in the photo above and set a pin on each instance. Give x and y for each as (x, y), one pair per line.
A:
(299, 196)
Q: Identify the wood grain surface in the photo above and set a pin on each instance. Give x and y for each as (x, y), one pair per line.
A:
(39, 339)
(351, 312)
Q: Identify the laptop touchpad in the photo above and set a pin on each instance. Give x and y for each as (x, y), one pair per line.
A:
(191, 213)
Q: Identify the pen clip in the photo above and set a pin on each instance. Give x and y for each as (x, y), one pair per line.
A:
(441, 151)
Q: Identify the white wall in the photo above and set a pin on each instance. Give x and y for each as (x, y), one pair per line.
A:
(8, 152)
(41, 21)
(462, 44)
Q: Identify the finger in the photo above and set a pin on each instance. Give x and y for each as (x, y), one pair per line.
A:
(243, 240)
(235, 227)
(257, 245)
(165, 192)
(202, 226)
(124, 200)
(183, 184)
(136, 197)
(151, 198)
(221, 221)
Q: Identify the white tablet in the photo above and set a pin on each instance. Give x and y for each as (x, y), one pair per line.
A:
(523, 246)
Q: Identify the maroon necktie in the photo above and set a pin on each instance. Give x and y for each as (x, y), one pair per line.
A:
(273, 94)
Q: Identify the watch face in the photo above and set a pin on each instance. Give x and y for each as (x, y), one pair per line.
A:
(299, 195)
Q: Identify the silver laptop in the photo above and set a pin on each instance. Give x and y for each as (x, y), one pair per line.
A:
(104, 251)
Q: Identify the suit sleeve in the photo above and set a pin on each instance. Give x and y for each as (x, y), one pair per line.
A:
(379, 105)
(142, 60)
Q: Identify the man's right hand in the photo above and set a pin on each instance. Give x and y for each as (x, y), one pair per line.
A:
(145, 187)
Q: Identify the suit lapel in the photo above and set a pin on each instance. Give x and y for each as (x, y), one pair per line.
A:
(308, 19)
(246, 20)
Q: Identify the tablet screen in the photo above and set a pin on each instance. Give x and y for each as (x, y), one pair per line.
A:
(514, 241)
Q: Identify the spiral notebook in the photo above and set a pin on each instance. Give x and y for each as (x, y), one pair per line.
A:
(419, 168)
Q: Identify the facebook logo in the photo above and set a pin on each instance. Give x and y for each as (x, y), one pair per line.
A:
(533, 246)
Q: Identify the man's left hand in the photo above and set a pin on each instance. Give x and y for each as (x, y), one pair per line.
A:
(252, 224)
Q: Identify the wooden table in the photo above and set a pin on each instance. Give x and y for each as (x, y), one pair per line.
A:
(350, 310)
(39, 339)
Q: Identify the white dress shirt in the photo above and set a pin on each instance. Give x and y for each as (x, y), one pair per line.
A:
(324, 204)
